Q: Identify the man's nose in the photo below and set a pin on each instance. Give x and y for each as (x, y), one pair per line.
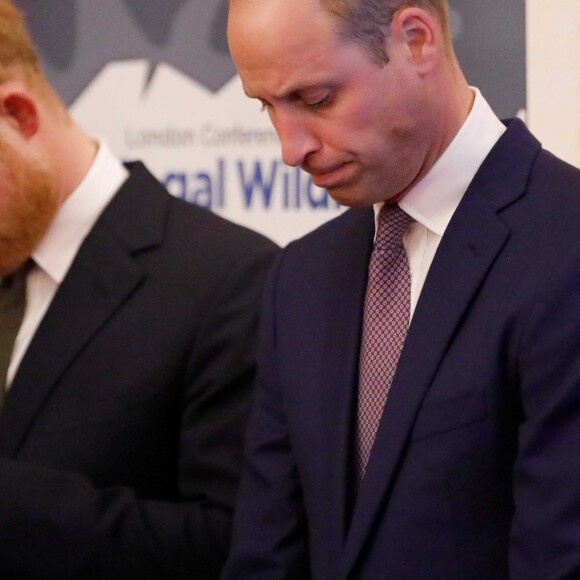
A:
(296, 137)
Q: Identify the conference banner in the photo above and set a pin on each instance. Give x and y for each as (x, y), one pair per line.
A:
(155, 80)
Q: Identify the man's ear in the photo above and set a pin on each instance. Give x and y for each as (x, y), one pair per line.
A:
(421, 34)
(19, 109)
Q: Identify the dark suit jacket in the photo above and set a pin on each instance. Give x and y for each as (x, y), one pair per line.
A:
(119, 439)
(475, 473)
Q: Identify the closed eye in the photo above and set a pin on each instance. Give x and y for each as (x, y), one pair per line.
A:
(318, 104)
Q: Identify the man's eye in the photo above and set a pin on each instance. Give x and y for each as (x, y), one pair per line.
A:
(318, 103)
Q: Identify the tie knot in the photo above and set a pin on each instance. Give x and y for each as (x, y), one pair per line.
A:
(392, 224)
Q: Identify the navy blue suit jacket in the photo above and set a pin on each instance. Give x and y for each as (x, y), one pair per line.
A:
(120, 436)
(475, 472)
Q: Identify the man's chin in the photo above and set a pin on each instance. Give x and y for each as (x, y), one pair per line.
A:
(350, 196)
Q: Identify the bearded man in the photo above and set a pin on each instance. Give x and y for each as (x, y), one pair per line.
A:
(127, 322)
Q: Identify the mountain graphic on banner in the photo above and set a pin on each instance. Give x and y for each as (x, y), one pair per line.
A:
(190, 35)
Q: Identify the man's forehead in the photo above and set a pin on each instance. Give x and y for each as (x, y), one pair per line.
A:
(289, 69)
(258, 10)
(276, 29)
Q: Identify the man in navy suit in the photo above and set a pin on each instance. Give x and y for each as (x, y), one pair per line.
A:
(126, 393)
(474, 469)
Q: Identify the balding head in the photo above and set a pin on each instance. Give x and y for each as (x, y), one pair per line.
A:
(367, 22)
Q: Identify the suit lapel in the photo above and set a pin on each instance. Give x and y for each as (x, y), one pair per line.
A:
(471, 244)
(102, 276)
(344, 296)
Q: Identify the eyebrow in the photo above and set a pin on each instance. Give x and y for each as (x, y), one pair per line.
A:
(294, 92)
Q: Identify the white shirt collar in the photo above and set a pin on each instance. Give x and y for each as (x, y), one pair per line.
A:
(433, 200)
(78, 214)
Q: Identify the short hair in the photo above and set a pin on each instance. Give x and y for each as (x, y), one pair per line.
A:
(18, 57)
(366, 21)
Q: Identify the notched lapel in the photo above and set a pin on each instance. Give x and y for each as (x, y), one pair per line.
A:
(345, 295)
(102, 277)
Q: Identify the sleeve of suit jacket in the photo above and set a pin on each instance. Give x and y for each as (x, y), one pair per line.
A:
(270, 528)
(88, 522)
(545, 532)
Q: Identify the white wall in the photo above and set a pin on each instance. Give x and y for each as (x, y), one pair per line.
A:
(553, 79)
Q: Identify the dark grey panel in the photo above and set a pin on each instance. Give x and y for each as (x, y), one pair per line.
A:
(490, 40)
(76, 38)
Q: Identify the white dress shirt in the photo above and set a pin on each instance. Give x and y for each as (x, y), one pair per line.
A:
(433, 201)
(55, 254)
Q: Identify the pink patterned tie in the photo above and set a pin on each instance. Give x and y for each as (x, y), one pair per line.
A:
(386, 319)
